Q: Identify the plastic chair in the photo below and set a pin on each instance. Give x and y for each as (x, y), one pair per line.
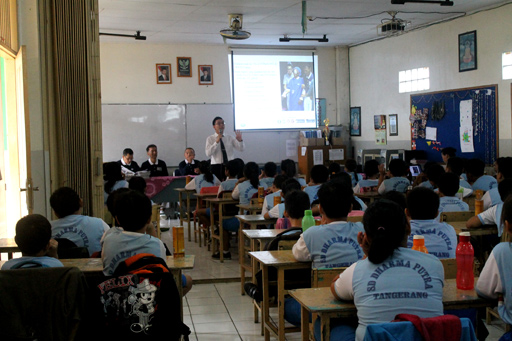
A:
(198, 230)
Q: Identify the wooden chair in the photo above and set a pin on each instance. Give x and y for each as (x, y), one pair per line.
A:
(355, 219)
(286, 244)
(228, 211)
(456, 216)
(155, 219)
(198, 230)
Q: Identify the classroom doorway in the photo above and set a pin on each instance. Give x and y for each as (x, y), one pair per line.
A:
(16, 190)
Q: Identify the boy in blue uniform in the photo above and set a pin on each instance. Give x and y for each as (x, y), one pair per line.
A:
(477, 179)
(371, 169)
(456, 165)
(504, 171)
(493, 214)
(496, 276)
(276, 187)
(397, 180)
(268, 174)
(33, 237)
(289, 185)
(448, 186)
(421, 211)
(319, 175)
(82, 230)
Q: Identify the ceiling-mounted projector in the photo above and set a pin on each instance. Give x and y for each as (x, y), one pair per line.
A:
(392, 26)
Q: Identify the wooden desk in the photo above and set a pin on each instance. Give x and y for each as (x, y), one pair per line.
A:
(460, 226)
(221, 202)
(322, 302)
(252, 208)
(368, 196)
(257, 236)
(188, 193)
(9, 246)
(282, 261)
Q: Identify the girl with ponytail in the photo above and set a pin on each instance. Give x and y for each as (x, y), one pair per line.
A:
(248, 185)
(204, 179)
(392, 279)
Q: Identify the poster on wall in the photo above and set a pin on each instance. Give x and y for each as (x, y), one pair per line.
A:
(466, 139)
(379, 123)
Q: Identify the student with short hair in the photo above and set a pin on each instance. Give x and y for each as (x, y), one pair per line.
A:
(433, 173)
(504, 171)
(112, 179)
(268, 174)
(189, 166)
(368, 281)
(289, 185)
(137, 183)
(82, 230)
(371, 170)
(495, 277)
(397, 180)
(132, 213)
(493, 214)
(204, 179)
(230, 172)
(33, 237)
(448, 184)
(334, 168)
(421, 211)
(319, 174)
(456, 165)
(276, 188)
(475, 173)
(334, 205)
(357, 203)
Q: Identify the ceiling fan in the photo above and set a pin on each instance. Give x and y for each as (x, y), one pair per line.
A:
(235, 28)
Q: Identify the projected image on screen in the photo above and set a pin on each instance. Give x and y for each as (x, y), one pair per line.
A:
(274, 91)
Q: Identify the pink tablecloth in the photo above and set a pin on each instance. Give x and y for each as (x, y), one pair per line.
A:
(157, 183)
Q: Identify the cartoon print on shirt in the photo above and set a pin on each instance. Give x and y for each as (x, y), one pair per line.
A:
(143, 305)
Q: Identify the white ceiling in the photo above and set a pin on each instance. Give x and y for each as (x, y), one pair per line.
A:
(199, 21)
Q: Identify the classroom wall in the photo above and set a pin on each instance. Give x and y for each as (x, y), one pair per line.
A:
(374, 71)
(128, 77)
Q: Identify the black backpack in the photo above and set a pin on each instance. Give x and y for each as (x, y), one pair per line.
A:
(140, 302)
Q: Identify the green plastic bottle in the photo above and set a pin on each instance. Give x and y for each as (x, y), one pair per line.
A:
(308, 220)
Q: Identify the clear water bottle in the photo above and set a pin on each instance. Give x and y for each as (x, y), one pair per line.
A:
(465, 255)
(308, 220)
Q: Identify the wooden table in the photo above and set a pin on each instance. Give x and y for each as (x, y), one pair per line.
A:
(253, 221)
(282, 261)
(252, 208)
(322, 302)
(187, 193)
(368, 196)
(220, 202)
(9, 246)
(460, 226)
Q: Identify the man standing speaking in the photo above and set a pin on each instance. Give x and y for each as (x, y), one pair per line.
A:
(219, 147)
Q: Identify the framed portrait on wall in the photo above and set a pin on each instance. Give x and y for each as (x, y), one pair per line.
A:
(205, 74)
(355, 121)
(184, 66)
(163, 74)
(467, 51)
(393, 125)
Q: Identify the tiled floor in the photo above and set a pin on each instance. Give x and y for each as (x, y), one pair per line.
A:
(215, 309)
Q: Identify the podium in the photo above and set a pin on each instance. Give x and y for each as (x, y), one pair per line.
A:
(307, 157)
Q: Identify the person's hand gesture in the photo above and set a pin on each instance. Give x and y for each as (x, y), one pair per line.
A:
(382, 169)
(238, 135)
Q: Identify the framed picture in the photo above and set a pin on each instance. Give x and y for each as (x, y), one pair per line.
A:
(205, 74)
(467, 51)
(163, 74)
(184, 66)
(393, 125)
(355, 121)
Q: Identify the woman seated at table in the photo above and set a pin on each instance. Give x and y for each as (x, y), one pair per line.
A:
(392, 279)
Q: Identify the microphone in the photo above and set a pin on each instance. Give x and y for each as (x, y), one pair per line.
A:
(221, 131)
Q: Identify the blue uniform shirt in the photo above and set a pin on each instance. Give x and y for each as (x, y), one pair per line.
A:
(398, 184)
(267, 181)
(201, 182)
(452, 204)
(312, 191)
(45, 261)
(485, 183)
(409, 282)
(491, 198)
(440, 238)
(503, 254)
(334, 245)
(82, 230)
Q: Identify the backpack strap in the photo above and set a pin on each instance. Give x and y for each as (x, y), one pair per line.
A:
(141, 263)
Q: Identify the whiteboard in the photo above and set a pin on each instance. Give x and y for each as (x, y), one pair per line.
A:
(136, 126)
(174, 127)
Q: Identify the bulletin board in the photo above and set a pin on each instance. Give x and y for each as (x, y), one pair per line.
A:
(465, 119)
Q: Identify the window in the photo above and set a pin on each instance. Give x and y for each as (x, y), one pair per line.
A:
(506, 62)
(414, 80)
